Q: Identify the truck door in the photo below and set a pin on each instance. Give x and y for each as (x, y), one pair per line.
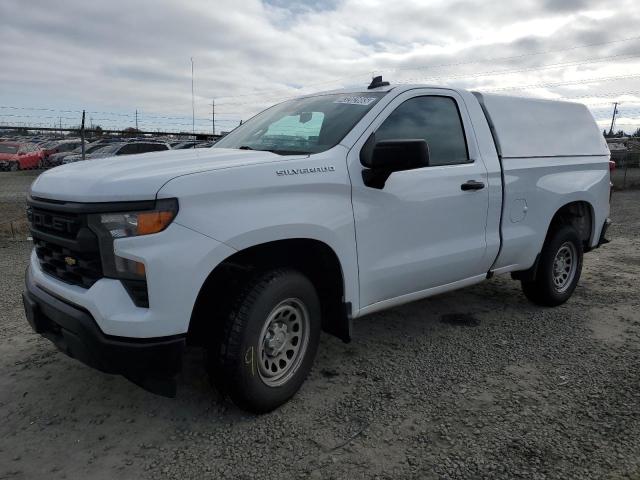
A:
(424, 228)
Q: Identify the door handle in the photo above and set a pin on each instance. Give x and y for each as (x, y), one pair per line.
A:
(472, 185)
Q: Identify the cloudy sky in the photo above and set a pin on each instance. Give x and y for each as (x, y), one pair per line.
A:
(114, 57)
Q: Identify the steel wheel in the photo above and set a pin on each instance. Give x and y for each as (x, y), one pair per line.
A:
(564, 266)
(283, 342)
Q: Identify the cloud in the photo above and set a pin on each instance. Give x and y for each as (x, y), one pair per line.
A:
(121, 56)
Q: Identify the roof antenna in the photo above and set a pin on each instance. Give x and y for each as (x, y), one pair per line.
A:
(377, 82)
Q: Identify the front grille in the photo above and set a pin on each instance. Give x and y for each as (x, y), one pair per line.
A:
(66, 248)
(78, 268)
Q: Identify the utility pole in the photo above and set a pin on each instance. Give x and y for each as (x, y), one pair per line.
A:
(136, 119)
(213, 117)
(613, 118)
(193, 105)
(82, 134)
(60, 120)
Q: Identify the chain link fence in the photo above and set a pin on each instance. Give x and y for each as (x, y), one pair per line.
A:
(627, 172)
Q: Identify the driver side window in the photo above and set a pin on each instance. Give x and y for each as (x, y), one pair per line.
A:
(432, 118)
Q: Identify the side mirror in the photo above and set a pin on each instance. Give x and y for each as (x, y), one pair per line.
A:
(22, 153)
(382, 158)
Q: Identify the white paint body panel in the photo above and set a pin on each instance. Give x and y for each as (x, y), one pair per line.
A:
(419, 236)
(421, 231)
(174, 276)
(534, 128)
(547, 184)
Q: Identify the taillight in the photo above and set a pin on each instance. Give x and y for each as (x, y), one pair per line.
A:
(612, 166)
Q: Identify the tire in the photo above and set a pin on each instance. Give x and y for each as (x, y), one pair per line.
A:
(269, 341)
(15, 166)
(558, 270)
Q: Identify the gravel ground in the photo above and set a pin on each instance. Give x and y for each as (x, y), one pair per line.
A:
(13, 186)
(477, 383)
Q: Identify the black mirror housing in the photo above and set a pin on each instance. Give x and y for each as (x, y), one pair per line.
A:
(383, 158)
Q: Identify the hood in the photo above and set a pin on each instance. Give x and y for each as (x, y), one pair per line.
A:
(8, 156)
(137, 177)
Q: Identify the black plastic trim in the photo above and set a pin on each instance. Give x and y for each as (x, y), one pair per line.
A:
(137, 290)
(602, 240)
(151, 363)
(89, 207)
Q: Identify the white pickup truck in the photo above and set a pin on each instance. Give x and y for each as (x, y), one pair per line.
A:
(314, 212)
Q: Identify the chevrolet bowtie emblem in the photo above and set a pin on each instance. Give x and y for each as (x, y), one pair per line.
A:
(70, 261)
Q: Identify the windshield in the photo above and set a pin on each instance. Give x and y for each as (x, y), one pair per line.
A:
(109, 148)
(302, 125)
(8, 148)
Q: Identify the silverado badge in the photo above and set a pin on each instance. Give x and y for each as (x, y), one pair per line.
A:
(70, 261)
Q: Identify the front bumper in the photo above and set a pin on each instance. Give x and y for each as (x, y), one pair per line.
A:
(151, 363)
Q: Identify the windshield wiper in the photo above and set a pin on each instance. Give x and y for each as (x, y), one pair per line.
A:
(274, 150)
(289, 152)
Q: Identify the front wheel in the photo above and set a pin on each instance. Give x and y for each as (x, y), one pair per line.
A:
(269, 341)
(559, 269)
(14, 167)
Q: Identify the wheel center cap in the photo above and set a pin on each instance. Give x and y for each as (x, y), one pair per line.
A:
(276, 339)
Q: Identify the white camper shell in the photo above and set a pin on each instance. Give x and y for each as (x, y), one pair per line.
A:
(531, 127)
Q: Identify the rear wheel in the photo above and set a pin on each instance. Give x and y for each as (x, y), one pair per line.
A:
(269, 341)
(559, 268)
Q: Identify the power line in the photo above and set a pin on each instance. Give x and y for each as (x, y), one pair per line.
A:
(531, 69)
(456, 64)
(577, 82)
(524, 55)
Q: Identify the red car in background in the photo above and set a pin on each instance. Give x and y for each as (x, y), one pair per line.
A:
(19, 156)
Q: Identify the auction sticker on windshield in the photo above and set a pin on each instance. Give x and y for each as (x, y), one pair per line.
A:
(356, 100)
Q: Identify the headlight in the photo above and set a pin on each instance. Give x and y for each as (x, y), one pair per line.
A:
(133, 224)
(112, 226)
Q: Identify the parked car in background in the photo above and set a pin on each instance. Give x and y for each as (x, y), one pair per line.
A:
(19, 156)
(123, 148)
(57, 158)
(184, 145)
(59, 146)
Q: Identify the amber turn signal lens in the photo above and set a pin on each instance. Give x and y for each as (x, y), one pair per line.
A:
(153, 222)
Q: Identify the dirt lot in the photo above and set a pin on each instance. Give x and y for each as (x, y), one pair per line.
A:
(473, 384)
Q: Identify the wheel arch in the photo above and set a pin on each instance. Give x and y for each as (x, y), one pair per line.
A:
(314, 258)
(577, 213)
(580, 214)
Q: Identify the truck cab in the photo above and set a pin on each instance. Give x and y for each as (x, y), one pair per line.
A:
(315, 212)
